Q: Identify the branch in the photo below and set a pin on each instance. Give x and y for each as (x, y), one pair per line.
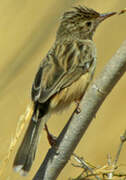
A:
(58, 156)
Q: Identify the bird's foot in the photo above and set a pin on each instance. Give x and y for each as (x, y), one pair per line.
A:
(51, 138)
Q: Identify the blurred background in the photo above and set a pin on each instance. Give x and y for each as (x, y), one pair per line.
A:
(27, 31)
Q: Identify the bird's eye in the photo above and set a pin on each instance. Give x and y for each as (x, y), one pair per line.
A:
(88, 23)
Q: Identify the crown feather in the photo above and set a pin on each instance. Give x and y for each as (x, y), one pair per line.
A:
(82, 12)
(86, 12)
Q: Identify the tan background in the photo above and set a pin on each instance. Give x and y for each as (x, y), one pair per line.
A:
(27, 31)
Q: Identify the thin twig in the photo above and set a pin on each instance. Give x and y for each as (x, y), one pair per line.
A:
(108, 170)
(85, 166)
(123, 139)
(110, 175)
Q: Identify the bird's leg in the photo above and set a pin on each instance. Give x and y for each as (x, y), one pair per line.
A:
(51, 138)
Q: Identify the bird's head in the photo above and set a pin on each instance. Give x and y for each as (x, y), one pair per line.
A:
(81, 22)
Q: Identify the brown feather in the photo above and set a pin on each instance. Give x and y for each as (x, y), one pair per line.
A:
(70, 94)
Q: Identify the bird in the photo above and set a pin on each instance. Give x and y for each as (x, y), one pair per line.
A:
(62, 77)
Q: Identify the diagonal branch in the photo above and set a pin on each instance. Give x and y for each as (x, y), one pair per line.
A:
(69, 138)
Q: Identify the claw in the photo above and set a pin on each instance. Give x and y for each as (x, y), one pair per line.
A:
(78, 109)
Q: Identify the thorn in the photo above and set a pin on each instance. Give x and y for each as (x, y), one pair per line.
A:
(122, 11)
(100, 91)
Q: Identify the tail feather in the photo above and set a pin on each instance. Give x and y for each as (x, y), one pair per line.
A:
(26, 153)
(27, 150)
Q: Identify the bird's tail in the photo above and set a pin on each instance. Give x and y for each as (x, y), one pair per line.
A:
(27, 150)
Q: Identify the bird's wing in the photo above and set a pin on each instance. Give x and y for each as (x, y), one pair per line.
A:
(59, 70)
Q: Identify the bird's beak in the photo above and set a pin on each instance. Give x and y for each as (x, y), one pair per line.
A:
(102, 17)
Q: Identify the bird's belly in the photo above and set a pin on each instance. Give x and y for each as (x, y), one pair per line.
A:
(74, 92)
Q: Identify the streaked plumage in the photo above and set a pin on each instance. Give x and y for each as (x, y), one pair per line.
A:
(65, 63)
(62, 77)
